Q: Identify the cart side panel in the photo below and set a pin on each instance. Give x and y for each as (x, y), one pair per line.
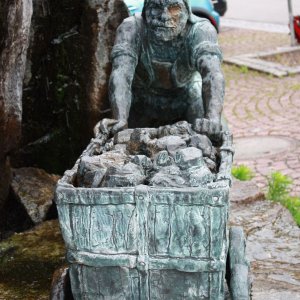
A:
(176, 285)
(90, 283)
(188, 225)
(218, 220)
(179, 230)
(106, 224)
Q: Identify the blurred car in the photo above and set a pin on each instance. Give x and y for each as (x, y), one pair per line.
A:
(220, 6)
(200, 8)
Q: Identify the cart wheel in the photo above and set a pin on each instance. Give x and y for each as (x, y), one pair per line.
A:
(237, 265)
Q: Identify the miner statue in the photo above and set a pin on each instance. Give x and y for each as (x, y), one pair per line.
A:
(166, 68)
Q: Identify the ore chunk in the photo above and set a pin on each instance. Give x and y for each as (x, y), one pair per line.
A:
(138, 141)
(182, 129)
(129, 174)
(171, 143)
(189, 157)
(200, 176)
(90, 171)
(162, 159)
(203, 142)
(120, 147)
(113, 157)
(123, 136)
(210, 164)
(169, 176)
(142, 161)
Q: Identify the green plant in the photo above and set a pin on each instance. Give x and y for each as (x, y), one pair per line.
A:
(295, 87)
(293, 205)
(242, 172)
(279, 187)
(244, 69)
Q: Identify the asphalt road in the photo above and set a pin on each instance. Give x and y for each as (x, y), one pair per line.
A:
(266, 11)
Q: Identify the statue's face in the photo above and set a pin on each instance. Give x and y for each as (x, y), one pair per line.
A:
(166, 18)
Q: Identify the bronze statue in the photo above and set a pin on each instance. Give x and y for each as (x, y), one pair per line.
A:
(166, 68)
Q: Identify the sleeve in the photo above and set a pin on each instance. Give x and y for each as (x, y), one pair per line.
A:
(204, 42)
(127, 39)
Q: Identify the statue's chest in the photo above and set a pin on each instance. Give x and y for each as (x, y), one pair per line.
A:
(156, 65)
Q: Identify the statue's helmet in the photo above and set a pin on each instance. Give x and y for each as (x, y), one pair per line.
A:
(192, 18)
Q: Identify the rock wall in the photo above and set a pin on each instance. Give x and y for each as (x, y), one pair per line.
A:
(65, 89)
(15, 21)
(54, 70)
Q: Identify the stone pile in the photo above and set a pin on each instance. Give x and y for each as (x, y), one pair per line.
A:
(168, 156)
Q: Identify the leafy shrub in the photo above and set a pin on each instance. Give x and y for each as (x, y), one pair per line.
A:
(242, 172)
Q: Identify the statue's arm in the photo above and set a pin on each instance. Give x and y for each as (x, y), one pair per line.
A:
(208, 62)
(124, 60)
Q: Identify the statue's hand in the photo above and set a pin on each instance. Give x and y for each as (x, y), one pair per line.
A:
(121, 124)
(104, 126)
(210, 127)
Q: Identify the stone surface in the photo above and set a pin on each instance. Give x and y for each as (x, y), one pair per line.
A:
(14, 31)
(28, 260)
(146, 157)
(262, 146)
(272, 244)
(15, 27)
(261, 105)
(245, 192)
(66, 79)
(5, 179)
(61, 286)
(34, 188)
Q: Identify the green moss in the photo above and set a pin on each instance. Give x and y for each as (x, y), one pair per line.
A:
(28, 260)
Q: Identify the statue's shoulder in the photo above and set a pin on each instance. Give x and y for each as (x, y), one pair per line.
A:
(202, 29)
(131, 25)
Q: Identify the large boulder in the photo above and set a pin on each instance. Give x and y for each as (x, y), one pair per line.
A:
(65, 91)
(34, 189)
(15, 20)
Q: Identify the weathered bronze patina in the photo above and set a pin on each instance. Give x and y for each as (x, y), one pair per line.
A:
(166, 68)
(144, 210)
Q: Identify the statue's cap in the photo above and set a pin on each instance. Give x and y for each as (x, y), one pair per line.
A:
(192, 18)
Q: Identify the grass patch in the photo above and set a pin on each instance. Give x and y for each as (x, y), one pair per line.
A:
(244, 69)
(279, 188)
(296, 87)
(242, 172)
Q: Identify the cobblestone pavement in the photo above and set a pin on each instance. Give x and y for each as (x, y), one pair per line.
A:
(258, 104)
